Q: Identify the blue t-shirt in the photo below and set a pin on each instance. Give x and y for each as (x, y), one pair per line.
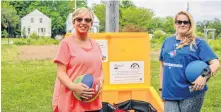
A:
(175, 84)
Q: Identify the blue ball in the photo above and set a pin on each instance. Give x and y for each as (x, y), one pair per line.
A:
(88, 80)
(194, 69)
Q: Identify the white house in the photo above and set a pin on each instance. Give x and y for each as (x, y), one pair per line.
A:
(36, 22)
(70, 28)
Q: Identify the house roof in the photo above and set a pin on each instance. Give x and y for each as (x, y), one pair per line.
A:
(36, 12)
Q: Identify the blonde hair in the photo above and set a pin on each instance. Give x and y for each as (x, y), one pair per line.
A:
(190, 36)
(81, 10)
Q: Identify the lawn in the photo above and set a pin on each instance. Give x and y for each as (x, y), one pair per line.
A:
(27, 86)
(30, 41)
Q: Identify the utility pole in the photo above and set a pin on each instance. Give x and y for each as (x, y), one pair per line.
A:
(75, 5)
(187, 8)
(112, 16)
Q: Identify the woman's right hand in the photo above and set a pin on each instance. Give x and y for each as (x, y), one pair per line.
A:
(82, 90)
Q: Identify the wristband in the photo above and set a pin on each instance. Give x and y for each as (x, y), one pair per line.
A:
(206, 72)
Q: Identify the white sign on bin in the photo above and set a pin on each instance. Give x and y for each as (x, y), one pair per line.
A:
(104, 49)
(127, 72)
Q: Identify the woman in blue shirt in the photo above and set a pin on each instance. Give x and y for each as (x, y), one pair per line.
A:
(176, 53)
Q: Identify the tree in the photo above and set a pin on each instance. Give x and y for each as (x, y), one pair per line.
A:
(81, 3)
(126, 4)
(168, 25)
(56, 10)
(199, 26)
(21, 7)
(136, 19)
(9, 17)
(99, 10)
(215, 24)
(155, 24)
(136, 16)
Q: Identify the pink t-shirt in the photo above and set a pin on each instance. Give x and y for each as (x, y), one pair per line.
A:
(78, 61)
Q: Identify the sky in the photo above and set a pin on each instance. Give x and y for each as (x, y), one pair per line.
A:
(200, 9)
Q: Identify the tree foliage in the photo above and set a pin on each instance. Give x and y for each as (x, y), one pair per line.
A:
(213, 24)
(9, 17)
(99, 10)
(131, 17)
(58, 11)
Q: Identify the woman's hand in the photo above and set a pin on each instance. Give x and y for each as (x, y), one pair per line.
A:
(199, 83)
(82, 90)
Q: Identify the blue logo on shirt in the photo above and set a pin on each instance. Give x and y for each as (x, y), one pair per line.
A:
(172, 53)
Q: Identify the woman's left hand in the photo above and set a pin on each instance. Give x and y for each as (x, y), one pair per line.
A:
(199, 83)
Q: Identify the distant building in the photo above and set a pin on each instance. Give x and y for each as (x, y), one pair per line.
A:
(36, 22)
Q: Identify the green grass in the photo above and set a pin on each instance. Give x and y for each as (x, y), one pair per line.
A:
(155, 74)
(155, 46)
(27, 86)
(31, 41)
(9, 52)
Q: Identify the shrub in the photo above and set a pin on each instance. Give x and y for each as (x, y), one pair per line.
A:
(200, 34)
(132, 28)
(33, 36)
(39, 41)
(215, 44)
(4, 33)
(158, 34)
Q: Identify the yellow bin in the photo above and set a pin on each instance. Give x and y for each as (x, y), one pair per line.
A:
(126, 66)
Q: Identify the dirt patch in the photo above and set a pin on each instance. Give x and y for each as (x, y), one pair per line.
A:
(155, 52)
(37, 52)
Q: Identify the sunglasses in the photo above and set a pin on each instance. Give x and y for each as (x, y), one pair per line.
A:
(180, 22)
(86, 20)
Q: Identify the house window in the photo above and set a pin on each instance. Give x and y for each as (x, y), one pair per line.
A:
(29, 30)
(32, 20)
(41, 30)
(40, 20)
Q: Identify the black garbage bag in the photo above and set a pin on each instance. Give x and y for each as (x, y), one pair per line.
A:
(137, 106)
(107, 107)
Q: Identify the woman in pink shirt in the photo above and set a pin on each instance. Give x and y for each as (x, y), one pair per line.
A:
(77, 55)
